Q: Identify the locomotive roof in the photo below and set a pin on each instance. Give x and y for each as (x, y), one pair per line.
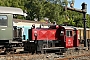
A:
(11, 10)
(68, 27)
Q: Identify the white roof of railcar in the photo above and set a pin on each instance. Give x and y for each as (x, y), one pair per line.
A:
(11, 10)
(79, 28)
(68, 27)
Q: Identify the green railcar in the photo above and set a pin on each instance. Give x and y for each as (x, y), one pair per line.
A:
(7, 43)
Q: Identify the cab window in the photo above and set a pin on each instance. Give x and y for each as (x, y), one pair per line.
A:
(69, 33)
(3, 20)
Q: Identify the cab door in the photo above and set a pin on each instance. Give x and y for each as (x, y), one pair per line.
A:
(69, 39)
(76, 41)
(6, 26)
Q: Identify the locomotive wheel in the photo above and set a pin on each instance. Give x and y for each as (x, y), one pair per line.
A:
(7, 52)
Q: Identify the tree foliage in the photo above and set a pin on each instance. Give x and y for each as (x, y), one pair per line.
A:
(41, 9)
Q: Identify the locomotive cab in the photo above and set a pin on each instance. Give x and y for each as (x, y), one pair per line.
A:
(66, 36)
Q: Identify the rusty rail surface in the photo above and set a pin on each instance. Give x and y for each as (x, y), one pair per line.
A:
(73, 57)
(22, 57)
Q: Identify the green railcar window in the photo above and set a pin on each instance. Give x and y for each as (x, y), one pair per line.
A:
(3, 20)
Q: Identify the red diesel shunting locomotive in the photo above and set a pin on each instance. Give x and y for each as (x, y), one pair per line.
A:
(54, 36)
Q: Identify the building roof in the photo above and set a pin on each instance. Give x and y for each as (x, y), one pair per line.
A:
(11, 10)
(28, 21)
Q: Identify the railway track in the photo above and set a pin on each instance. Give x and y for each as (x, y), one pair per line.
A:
(80, 55)
(22, 57)
(42, 57)
(85, 55)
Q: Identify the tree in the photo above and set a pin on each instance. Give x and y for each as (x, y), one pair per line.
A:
(52, 10)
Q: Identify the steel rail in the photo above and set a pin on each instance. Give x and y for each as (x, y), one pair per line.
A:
(73, 57)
